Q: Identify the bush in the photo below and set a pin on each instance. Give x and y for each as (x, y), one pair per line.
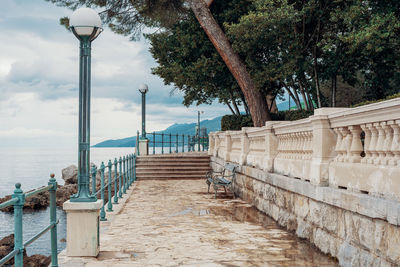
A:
(376, 101)
(236, 122)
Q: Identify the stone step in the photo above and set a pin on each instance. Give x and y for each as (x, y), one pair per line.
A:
(172, 172)
(166, 177)
(169, 159)
(171, 164)
(173, 168)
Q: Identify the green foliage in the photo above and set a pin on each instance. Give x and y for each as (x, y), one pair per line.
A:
(235, 122)
(376, 101)
(188, 60)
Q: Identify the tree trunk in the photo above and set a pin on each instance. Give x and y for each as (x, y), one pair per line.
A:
(296, 100)
(303, 94)
(234, 103)
(229, 106)
(333, 91)
(255, 100)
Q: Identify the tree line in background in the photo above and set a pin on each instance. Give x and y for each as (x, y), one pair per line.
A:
(248, 53)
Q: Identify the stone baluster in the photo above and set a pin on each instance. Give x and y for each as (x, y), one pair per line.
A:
(367, 141)
(310, 145)
(372, 143)
(395, 148)
(387, 144)
(304, 146)
(345, 147)
(356, 146)
(338, 146)
(379, 144)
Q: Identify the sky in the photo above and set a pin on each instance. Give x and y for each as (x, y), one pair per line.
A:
(39, 74)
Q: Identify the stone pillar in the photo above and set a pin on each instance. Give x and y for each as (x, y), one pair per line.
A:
(228, 146)
(144, 147)
(271, 147)
(216, 144)
(323, 147)
(245, 147)
(211, 144)
(83, 228)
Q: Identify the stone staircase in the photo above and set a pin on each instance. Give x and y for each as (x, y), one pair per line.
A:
(189, 165)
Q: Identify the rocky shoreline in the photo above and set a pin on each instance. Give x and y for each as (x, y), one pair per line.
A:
(41, 201)
(70, 177)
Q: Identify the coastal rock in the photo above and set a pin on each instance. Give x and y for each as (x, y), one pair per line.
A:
(7, 245)
(70, 175)
(64, 193)
(37, 260)
(38, 201)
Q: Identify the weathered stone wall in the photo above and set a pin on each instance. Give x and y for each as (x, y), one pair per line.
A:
(357, 229)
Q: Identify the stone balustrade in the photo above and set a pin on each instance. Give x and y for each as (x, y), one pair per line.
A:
(357, 149)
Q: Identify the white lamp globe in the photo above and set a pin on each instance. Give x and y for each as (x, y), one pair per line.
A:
(84, 20)
(143, 88)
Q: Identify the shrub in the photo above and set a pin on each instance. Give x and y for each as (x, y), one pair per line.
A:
(376, 101)
(236, 122)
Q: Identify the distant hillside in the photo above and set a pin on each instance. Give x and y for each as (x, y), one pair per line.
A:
(177, 128)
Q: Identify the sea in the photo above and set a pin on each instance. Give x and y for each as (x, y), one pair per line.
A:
(32, 168)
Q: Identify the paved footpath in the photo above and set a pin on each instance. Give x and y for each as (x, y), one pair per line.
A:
(176, 223)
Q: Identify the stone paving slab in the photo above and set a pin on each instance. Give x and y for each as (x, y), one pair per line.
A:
(176, 223)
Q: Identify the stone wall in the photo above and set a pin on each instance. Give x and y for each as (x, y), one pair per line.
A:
(358, 229)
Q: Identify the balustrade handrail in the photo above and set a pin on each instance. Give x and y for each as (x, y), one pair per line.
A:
(356, 149)
(18, 201)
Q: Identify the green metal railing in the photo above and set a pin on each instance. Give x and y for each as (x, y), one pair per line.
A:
(124, 176)
(176, 142)
(18, 201)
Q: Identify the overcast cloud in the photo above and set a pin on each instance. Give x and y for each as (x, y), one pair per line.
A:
(39, 79)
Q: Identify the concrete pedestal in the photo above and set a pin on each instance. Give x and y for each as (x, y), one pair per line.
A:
(144, 147)
(83, 228)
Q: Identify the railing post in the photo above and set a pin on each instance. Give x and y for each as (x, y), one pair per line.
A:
(170, 143)
(115, 181)
(125, 178)
(188, 143)
(19, 257)
(137, 144)
(128, 170)
(94, 170)
(177, 143)
(131, 169)
(119, 178)
(109, 205)
(183, 143)
(134, 168)
(102, 212)
(198, 142)
(162, 143)
(154, 143)
(53, 220)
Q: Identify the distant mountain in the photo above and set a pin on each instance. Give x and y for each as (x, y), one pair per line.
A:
(177, 128)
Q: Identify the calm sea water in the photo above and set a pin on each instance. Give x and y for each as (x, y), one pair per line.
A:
(32, 168)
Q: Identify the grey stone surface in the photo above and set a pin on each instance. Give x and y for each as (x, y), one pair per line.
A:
(357, 229)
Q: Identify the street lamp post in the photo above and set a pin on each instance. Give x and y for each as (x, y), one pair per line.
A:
(83, 208)
(143, 89)
(86, 25)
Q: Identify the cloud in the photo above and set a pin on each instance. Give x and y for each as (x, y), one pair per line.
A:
(39, 72)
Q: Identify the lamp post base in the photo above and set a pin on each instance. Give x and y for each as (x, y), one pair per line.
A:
(144, 147)
(83, 228)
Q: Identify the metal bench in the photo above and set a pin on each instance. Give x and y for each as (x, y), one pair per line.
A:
(224, 178)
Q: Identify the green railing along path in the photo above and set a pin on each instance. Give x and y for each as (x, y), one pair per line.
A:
(18, 201)
(177, 142)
